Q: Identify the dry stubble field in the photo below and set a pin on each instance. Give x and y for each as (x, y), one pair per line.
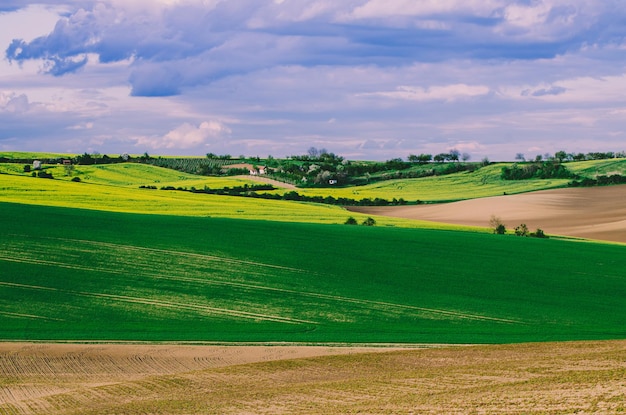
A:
(543, 378)
(592, 212)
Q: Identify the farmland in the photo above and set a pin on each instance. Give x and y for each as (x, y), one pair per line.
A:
(103, 261)
(78, 274)
(115, 188)
(544, 378)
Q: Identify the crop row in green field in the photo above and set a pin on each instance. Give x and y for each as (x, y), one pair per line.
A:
(71, 274)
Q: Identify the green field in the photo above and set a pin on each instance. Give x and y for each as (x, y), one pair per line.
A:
(71, 274)
(103, 260)
(484, 182)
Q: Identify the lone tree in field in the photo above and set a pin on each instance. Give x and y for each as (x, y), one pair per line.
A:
(496, 224)
(69, 169)
(369, 222)
(522, 230)
(350, 221)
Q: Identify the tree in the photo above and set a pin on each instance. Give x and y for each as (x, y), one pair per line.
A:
(145, 157)
(522, 230)
(424, 158)
(369, 222)
(496, 224)
(465, 156)
(85, 159)
(454, 155)
(350, 221)
(69, 169)
(560, 156)
(440, 157)
(520, 157)
(539, 234)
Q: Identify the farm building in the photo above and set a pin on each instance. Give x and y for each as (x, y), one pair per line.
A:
(36, 165)
(254, 170)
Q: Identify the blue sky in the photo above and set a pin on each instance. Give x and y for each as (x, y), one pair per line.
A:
(366, 79)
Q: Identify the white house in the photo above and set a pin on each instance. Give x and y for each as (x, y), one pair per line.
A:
(254, 170)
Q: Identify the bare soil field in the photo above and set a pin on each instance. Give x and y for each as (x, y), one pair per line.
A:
(591, 213)
(542, 378)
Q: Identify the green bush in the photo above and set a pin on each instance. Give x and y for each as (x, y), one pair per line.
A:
(350, 221)
(369, 222)
(522, 230)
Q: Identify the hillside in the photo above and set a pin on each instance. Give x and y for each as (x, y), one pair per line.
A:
(476, 182)
(73, 274)
(593, 213)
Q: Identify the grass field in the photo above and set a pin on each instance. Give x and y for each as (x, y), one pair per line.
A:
(78, 274)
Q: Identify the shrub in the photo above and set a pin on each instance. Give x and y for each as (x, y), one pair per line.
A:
(44, 175)
(497, 225)
(76, 179)
(539, 234)
(369, 222)
(350, 221)
(522, 230)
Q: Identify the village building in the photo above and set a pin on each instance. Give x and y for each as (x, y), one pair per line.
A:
(253, 170)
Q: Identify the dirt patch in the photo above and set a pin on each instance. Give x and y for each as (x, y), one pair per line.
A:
(275, 183)
(593, 213)
(572, 377)
(47, 378)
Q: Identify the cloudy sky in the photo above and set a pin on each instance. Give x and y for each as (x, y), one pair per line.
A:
(365, 79)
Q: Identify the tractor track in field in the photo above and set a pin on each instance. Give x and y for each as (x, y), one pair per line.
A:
(169, 304)
(384, 306)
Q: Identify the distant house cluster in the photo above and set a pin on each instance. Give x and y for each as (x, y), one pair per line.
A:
(254, 170)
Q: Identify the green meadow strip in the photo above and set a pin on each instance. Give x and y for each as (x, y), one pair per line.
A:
(84, 275)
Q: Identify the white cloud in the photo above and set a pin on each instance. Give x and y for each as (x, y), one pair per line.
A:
(81, 126)
(440, 93)
(11, 102)
(187, 136)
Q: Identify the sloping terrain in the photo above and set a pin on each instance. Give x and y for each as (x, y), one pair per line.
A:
(592, 212)
(71, 274)
(543, 378)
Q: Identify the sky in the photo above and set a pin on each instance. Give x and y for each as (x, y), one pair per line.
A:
(364, 79)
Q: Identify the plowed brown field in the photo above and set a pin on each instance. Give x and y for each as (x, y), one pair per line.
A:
(545, 378)
(593, 212)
